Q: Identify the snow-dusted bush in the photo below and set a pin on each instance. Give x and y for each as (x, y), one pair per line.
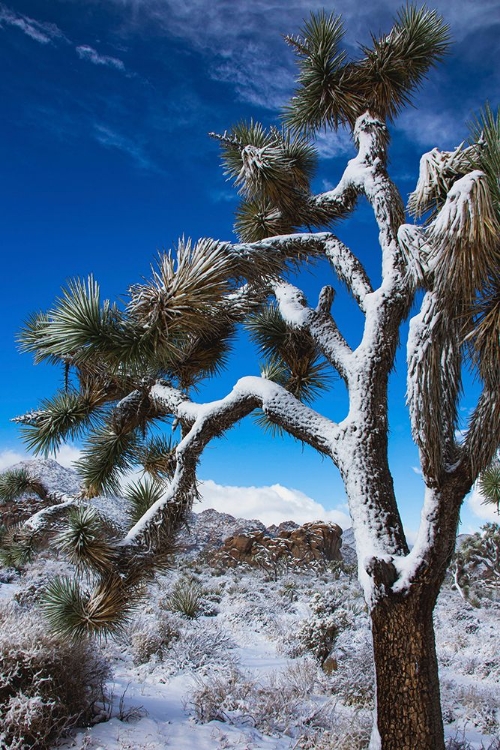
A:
(281, 703)
(200, 645)
(46, 685)
(152, 638)
(473, 705)
(332, 611)
(353, 681)
(476, 566)
(455, 743)
(346, 732)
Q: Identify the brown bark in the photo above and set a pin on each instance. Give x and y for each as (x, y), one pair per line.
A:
(408, 700)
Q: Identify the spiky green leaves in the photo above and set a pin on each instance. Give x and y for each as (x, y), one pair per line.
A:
(258, 219)
(16, 482)
(184, 291)
(141, 496)
(84, 543)
(268, 164)
(106, 455)
(74, 327)
(18, 545)
(485, 132)
(157, 457)
(272, 169)
(327, 92)
(397, 64)
(485, 334)
(489, 484)
(75, 613)
(334, 91)
(294, 361)
(63, 417)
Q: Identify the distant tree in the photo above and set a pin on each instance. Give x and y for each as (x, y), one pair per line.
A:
(476, 566)
(134, 367)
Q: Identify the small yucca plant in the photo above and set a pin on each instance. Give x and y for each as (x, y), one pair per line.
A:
(17, 546)
(186, 598)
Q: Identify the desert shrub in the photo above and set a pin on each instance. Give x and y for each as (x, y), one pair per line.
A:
(200, 646)
(345, 732)
(332, 612)
(220, 695)
(150, 639)
(475, 704)
(289, 590)
(354, 679)
(457, 743)
(46, 685)
(280, 703)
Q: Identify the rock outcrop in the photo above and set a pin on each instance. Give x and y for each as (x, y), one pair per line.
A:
(298, 546)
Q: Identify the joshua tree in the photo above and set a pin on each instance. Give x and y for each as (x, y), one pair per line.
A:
(476, 566)
(132, 367)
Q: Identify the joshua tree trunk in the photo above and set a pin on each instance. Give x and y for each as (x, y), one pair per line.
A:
(408, 700)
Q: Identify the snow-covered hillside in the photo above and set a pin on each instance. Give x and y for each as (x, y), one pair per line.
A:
(220, 657)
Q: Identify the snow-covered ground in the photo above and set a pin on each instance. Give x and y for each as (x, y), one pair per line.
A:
(245, 671)
(242, 674)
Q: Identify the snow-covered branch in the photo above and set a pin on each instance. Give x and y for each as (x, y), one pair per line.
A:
(319, 323)
(38, 521)
(211, 420)
(349, 269)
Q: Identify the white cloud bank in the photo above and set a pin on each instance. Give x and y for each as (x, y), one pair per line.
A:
(488, 512)
(65, 456)
(271, 505)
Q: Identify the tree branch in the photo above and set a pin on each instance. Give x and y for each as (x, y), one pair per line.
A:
(319, 323)
(348, 269)
(211, 420)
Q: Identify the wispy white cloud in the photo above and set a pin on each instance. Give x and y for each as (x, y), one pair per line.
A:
(333, 143)
(106, 136)
(243, 36)
(40, 31)
(271, 505)
(85, 52)
(444, 130)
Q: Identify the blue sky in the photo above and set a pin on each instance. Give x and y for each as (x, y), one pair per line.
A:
(105, 156)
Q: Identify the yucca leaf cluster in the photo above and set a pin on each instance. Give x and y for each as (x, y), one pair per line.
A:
(334, 90)
(176, 328)
(291, 356)
(293, 359)
(18, 545)
(459, 262)
(19, 481)
(489, 484)
(110, 579)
